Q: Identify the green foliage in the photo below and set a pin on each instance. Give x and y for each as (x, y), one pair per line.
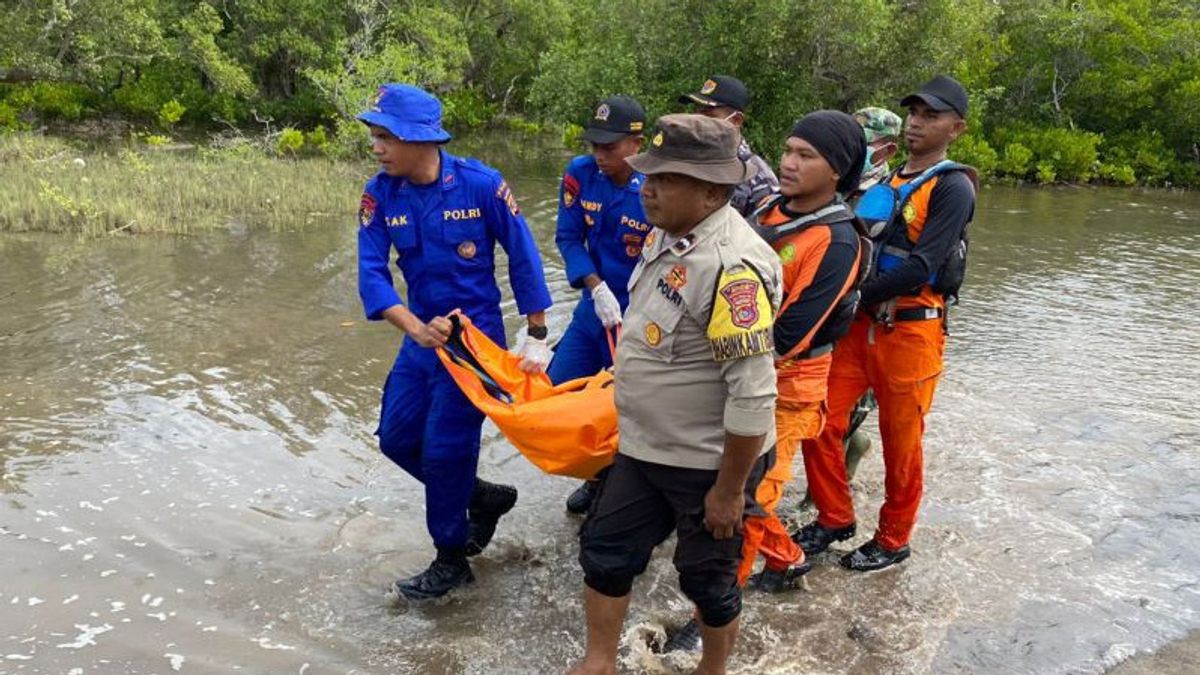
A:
(1070, 154)
(572, 135)
(289, 142)
(975, 151)
(50, 100)
(1087, 89)
(1016, 161)
(317, 140)
(1144, 152)
(467, 108)
(1121, 174)
(9, 119)
(1044, 172)
(170, 113)
(524, 126)
(156, 140)
(199, 31)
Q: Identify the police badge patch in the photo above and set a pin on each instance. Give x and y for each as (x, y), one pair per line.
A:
(653, 334)
(366, 210)
(602, 112)
(740, 324)
(570, 190)
(741, 296)
(677, 277)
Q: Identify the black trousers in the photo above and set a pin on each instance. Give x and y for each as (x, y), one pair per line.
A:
(637, 506)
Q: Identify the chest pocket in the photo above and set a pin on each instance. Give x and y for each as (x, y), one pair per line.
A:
(465, 235)
(658, 327)
(404, 237)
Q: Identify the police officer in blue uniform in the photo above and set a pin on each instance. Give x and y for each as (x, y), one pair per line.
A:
(443, 215)
(601, 227)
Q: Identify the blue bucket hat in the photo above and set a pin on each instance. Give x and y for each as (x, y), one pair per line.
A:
(412, 114)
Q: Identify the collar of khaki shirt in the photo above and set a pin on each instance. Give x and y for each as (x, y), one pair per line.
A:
(703, 231)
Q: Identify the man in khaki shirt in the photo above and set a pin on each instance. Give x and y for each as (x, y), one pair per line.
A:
(695, 389)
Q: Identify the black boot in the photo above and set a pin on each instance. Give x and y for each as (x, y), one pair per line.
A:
(773, 581)
(871, 556)
(814, 537)
(447, 572)
(686, 639)
(581, 499)
(489, 501)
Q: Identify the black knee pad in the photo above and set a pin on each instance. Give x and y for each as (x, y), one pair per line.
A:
(718, 603)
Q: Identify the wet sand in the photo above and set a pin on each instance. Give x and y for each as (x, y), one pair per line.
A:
(1177, 658)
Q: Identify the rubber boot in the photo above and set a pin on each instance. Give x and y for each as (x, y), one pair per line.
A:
(489, 501)
(872, 556)
(778, 581)
(814, 537)
(447, 572)
(581, 499)
(857, 446)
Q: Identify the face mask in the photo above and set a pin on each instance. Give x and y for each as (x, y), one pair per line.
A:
(867, 164)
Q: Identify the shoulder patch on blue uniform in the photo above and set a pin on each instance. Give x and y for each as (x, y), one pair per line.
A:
(504, 194)
(366, 209)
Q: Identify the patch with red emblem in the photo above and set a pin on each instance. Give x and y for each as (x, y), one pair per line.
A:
(742, 296)
(677, 277)
(570, 190)
(366, 210)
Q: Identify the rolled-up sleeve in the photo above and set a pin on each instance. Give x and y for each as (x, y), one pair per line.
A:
(750, 403)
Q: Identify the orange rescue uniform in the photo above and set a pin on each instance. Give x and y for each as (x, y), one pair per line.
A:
(820, 267)
(902, 363)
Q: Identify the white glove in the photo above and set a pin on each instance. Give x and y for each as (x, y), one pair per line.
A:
(608, 310)
(535, 354)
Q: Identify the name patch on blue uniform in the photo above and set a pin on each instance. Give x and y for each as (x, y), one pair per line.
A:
(634, 224)
(461, 214)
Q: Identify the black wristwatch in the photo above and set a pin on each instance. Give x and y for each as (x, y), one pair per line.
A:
(538, 332)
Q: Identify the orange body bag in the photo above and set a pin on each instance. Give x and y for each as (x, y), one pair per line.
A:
(566, 430)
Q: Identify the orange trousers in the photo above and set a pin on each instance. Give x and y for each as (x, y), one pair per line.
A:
(903, 366)
(767, 535)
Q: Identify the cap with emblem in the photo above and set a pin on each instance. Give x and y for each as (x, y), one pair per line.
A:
(879, 123)
(942, 93)
(412, 114)
(615, 118)
(720, 90)
(696, 146)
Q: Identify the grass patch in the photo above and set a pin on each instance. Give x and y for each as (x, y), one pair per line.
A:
(51, 185)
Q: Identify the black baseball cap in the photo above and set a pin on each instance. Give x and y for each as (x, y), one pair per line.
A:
(941, 93)
(615, 118)
(720, 90)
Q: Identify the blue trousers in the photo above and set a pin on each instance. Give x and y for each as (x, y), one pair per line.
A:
(431, 430)
(583, 349)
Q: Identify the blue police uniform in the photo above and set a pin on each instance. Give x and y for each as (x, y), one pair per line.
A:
(445, 235)
(601, 227)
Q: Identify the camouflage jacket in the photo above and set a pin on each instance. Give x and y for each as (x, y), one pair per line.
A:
(746, 196)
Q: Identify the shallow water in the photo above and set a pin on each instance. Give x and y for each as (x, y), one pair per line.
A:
(190, 482)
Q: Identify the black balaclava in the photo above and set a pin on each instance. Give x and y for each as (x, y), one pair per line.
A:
(840, 140)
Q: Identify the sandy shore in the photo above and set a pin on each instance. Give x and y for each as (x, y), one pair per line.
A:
(1177, 658)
